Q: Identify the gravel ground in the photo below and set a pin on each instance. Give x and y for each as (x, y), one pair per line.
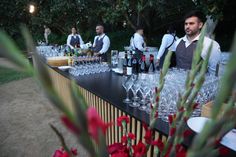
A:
(25, 113)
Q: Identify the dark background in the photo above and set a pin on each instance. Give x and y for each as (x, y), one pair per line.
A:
(156, 16)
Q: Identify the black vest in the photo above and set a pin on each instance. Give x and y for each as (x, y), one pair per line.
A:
(98, 47)
(75, 40)
(98, 44)
(184, 55)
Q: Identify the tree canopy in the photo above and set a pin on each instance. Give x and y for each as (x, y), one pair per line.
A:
(117, 15)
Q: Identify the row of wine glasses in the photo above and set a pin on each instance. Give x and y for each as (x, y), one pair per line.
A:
(86, 65)
(143, 86)
(51, 51)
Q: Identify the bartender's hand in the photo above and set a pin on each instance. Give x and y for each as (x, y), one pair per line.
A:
(95, 53)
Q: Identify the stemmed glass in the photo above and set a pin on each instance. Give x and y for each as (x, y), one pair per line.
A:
(145, 89)
(135, 88)
(126, 83)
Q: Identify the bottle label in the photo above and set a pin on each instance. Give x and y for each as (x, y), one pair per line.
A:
(129, 71)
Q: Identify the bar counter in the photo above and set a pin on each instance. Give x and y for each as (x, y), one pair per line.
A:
(104, 91)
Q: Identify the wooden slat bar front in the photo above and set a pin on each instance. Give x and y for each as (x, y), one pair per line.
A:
(109, 112)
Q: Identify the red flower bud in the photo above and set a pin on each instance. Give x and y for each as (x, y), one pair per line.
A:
(187, 133)
(159, 144)
(172, 131)
(148, 136)
(170, 118)
(124, 139)
(185, 119)
(139, 149)
(223, 151)
(122, 119)
(131, 136)
(156, 89)
(195, 105)
(157, 99)
(71, 126)
(74, 151)
(181, 109)
(95, 123)
(156, 114)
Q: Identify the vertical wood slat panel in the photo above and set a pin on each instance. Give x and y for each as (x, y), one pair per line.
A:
(116, 130)
(107, 111)
(112, 128)
(133, 128)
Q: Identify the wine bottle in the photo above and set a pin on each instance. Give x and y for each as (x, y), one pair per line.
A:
(125, 61)
(129, 65)
(143, 65)
(151, 68)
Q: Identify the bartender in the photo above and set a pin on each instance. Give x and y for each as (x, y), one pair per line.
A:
(101, 43)
(137, 42)
(74, 40)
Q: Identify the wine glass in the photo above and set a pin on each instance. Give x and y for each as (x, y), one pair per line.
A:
(144, 91)
(127, 85)
(135, 88)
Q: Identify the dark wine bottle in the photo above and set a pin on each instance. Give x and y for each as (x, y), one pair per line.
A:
(125, 62)
(143, 65)
(151, 68)
(129, 65)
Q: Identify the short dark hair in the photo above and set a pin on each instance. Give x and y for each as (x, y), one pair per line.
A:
(139, 27)
(74, 27)
(100, 25)
(196, 13)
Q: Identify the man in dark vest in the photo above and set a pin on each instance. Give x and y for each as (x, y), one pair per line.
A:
(101, 43)
(74, 40)
(186, 45)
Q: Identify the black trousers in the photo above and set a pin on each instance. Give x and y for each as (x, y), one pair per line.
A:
(103, 57)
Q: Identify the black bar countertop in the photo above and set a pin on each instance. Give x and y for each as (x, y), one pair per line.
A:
(108, 86)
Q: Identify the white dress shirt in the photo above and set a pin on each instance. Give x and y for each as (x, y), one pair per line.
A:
(137, 41)
(215, 52)
(106, 43)
(167, 40)
(69, 38)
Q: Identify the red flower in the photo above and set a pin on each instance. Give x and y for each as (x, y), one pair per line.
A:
(122, 119)
(58, 153)
(131, 136)
(156, 114)
(139, 149)
(172, 131)
(181, 151)
(120, 154)
(157, 99)
(181, 109)
(74, 151)
(223, 151)
(185, 119)
(65, 154)
(95, 123)
(187, 133)
(70, 125)
(148, 136)
(62, 153)
(159, 144)
(171, 118)
(124, 139)
(195, 105)
(113, 148)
